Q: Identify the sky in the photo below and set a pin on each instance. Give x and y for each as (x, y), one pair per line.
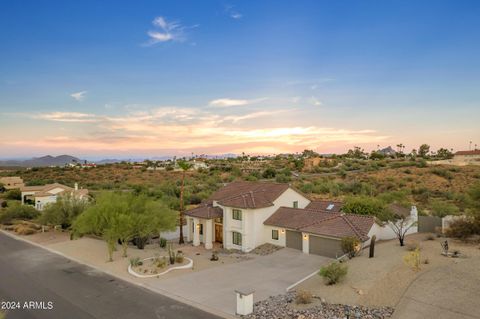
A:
(153, 78)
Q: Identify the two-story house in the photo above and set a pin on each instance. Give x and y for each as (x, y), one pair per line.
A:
(245, 215)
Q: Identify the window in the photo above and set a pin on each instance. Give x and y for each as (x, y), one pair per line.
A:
(295, 204)
(237, 214)
(275, 234)
(201, 229)
(237, 238)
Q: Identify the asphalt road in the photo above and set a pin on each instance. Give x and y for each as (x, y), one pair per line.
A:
(31, 274)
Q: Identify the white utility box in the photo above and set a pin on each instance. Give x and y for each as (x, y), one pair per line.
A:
(244, 301)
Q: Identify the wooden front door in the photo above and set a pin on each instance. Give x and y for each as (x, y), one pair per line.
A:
(219, 233)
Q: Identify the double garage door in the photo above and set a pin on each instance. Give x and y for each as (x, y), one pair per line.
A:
(322, 246)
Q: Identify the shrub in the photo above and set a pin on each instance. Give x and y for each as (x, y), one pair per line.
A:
(430, 237)
(179, 257)
(14, 194)
(463, 228)
(412, 259)
(412, 246)
(350, 246)
(17, 211)
(22, 229)
(333, 273)
(135, 261)
(303, 297)
(162, 242)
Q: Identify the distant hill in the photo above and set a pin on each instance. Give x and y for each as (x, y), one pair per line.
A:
(43, 161)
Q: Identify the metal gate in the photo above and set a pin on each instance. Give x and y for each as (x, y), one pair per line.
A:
(427, 224)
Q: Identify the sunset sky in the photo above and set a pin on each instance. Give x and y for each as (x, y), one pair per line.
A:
(152, 78)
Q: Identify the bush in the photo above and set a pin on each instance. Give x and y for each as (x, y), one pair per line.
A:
(412, 246)
(412, 259)
(350, 246)
(18, 211)
(24, 229)
(430, 237)
(303, 297)
(333, 273)
(162, 242)
(463, 229)
(135, 261)
(14, 194)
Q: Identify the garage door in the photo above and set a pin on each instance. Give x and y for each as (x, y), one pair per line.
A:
(294, 239)
(325, 246)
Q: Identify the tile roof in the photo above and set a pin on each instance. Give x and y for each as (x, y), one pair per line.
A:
(324, 205)
(474, 152)
(206, 211)
(319, 222)
(249, 194)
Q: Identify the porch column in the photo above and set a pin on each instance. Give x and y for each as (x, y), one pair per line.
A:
(196, 232)
(305, 243)
(189, 229)
(208, 234)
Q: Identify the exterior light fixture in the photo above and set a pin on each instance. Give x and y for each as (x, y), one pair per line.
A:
(282, 231)
(305, 237)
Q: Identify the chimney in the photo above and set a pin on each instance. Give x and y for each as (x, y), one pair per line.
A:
(414, 212)
(76, 186)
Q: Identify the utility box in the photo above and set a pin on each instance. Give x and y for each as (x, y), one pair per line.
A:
(244, 301)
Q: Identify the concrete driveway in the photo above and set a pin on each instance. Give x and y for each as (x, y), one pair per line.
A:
(446, 292)
(267, 275)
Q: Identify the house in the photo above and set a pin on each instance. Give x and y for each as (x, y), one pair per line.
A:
(245, 215)
(12, 182)
(467, 157)
(40, 196)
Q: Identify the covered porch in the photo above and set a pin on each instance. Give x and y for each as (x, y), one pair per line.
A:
(205, 226)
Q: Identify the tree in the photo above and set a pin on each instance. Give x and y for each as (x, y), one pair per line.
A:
(122, 217)
(400, 224)
(444, 153)
(14, 194)
(185, 166)
(423, 150)
(64, 211)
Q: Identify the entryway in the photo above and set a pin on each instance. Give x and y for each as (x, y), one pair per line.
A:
(219, 233)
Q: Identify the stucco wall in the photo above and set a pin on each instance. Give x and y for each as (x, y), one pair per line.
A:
(251, 226)
(268, 235)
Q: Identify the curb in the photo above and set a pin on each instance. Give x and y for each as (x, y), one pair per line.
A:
(162, 292)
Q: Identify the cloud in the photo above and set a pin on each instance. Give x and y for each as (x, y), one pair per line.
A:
(173, 130)
(67, 117)
(227, 102)
(232, 13)
(79, 96)
(314, 101)
(166, 31)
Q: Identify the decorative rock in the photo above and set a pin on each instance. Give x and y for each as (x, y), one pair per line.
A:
(278, 307)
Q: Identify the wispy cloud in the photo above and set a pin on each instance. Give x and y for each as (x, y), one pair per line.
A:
(228, 102)
(67, 117)
(182, 129)
(314, 101)
(79, 96)
(167, 31)
(232, 13)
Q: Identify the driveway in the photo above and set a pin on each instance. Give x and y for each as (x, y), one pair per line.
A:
(443, 293)
(267, 275)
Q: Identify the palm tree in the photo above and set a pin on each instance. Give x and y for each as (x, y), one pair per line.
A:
(185, 166)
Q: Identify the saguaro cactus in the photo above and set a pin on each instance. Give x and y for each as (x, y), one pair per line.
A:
(372, 247)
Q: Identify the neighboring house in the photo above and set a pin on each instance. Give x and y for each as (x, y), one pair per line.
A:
(45, 194)
(12, 182)
(461, 158)
(245, 215)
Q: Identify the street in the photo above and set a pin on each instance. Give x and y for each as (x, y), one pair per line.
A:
(39, 284)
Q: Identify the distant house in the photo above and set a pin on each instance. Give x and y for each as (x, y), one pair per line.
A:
(245, 215)
(467, 156)
(40, 196)
(310, 162)
(12, 182)
(461, 158)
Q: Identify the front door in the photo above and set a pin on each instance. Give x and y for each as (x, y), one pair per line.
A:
(219, 233)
